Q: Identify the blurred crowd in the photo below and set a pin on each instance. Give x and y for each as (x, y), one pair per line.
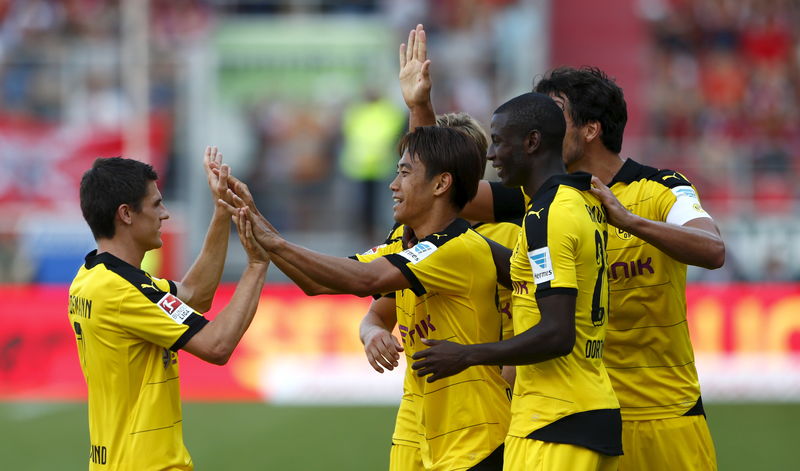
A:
(722, 96)
(723, 99)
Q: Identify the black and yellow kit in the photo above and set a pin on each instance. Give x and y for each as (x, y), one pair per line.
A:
(464, 418)
(649, 354)
(129, 326)
(562, 250)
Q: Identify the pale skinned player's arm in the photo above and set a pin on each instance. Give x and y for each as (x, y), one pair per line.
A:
(198, 286)
(343, 275)
(381, 347)
(216, 341)
(305, 283)
(415, 79)
(552, 337)
(697, 242)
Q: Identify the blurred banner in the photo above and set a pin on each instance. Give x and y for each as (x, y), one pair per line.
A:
(44, 162)
(306, 350)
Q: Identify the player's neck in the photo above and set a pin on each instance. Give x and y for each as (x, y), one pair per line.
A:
(123, 249)
(600, 162)
(435, 220)
(546, 167)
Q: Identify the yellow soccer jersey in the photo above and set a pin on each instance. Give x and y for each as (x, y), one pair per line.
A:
(561, 250)
(505, 234)
(648, 352)
(463, 418)
(128, 326)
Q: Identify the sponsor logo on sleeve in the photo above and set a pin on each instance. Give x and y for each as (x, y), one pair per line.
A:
(175, 308)
(418, 252)
(541, 264)
(374, 250)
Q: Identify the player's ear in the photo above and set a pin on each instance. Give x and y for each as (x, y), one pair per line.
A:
(443, 182)
(591, 131)
(532, 141)
(124, 213)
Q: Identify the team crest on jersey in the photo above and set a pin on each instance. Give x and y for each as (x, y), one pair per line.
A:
(175, 308)
(622, 234)
(168, 357)
(418, 252)
(542, 265)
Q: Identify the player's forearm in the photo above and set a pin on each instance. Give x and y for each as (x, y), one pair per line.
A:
(532, 346)
(232, 321)
(421, 115)
(481, 207)
(309, 286)
(689, 245)
(202, 279)
(342, 275)
(375, 320)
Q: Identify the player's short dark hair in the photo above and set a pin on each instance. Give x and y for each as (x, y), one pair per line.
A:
(593, 96)
(535, 111)
(108, 184)
(447, 150)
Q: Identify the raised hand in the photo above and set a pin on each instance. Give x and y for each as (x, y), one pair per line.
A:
(255, 252)
(415, 79)
(442, 359)
(217, 173)
(618, 215)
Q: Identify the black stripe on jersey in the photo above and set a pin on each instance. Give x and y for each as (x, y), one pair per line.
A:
(402, 264)
(697, 409)
(145, 285)
(543, 293)
(507, 203)
(455, 229)
(598, 430)
(632, 171)
(195, 323)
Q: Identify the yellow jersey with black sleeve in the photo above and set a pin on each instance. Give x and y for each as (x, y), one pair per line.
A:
(505, 234)
(648, 352)
(561, 250)
(129, 326)
(463, 418)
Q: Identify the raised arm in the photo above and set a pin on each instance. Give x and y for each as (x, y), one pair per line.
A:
(198, 286)
(381, 347)
(217, 340)
(552, 337)
(309, 286)
(697, 242)
(415, 79)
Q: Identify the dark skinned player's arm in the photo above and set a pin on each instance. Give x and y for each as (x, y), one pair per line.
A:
(552, 337)
(502, 262)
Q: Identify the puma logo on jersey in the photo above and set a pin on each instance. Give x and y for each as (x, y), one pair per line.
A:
(151, 285)
(536, 213)
(674, 175)
(439, 236)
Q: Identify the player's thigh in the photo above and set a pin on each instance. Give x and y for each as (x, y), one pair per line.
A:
(668, 444)
(535, 455)
(405, 458)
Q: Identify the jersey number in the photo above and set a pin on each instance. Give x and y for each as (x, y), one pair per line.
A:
(81, 345)
(598, 311)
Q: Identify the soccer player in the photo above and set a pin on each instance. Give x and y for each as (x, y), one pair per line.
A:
(445, 288)
(660, 227)
(564, 412)
(383, 349)
(129, 324)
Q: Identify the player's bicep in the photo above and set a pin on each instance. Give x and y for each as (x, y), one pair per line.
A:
(166, 320)
(386, 277)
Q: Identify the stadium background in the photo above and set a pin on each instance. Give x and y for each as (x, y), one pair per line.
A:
(713, 89)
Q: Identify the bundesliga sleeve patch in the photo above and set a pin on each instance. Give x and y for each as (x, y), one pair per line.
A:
(175, 308)
(542, 265)
(374, 250)
(418, 252)
(686, 206)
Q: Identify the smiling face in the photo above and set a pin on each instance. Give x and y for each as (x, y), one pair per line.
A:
(506, 153)
(146, 223)
(412, 191)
